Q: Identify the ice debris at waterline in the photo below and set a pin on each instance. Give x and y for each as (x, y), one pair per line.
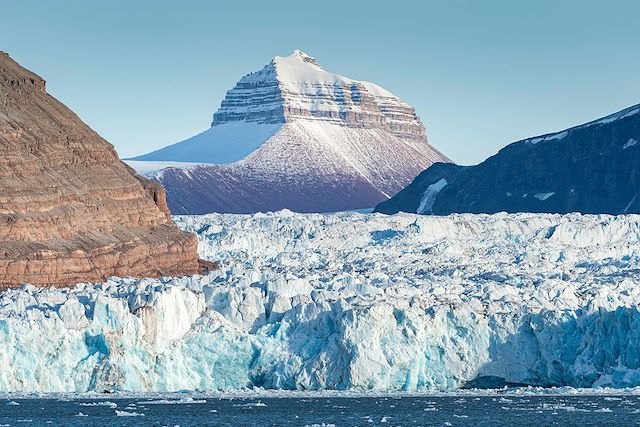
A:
(349, 301)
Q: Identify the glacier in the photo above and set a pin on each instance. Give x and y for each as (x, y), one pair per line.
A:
(348, 301)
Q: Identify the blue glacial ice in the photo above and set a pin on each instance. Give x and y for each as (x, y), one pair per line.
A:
(348, 301)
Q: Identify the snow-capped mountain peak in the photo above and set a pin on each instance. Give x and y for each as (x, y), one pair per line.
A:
(300, 68)
(296, 87)
(299, 56)
(320, 141)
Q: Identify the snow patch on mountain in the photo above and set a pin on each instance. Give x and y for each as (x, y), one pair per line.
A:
(348, 301)
(621, 115)
(552, 137)
(626, 113)
(302, 69)
(429, 196)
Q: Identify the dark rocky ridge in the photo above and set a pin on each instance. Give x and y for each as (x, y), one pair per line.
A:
(592, 168)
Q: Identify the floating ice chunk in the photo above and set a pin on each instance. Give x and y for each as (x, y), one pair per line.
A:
(183, 401)
(543, 196)
(251, 405)
(129, 414)
(111, 405)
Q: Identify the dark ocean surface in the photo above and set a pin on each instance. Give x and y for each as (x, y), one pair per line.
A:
(396, 410)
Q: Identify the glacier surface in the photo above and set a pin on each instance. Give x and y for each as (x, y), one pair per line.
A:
(348, 301)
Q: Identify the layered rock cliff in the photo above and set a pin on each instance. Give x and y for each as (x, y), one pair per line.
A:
(295, 136)
(296, 87)
(591, 168)
(70, 210)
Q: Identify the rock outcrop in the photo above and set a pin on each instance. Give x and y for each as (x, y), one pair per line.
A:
(295, 136)
(70, 210)
(592, 168)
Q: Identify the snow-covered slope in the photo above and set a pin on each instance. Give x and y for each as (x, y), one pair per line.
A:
(225, 143)
(349, 301)
(307, 166)
(307, 119)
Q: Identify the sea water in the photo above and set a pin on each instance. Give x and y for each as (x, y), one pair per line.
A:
(471, 409)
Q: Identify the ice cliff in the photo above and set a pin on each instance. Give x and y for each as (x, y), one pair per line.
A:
(348, 301)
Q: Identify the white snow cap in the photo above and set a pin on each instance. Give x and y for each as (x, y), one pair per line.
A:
(291, 89)
(300, 67)
(304, 57)
(297, 87)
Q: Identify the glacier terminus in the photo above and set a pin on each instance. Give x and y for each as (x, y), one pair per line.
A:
(348, 301)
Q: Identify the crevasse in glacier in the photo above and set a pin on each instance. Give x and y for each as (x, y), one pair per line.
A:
(348, 301)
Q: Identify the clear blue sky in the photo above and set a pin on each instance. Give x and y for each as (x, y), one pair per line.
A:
(481, 74)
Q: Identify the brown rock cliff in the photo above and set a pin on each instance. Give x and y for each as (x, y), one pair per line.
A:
(70, 210)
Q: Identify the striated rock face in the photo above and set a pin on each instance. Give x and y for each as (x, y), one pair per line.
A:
(296, 87)
(295, 136)
(591, 168)
(70, 211)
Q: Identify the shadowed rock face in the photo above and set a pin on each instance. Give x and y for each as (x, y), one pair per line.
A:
(70, 210)
(591, 168)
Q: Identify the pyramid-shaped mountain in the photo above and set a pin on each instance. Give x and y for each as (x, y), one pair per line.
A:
(70, 210)
(295, 136)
